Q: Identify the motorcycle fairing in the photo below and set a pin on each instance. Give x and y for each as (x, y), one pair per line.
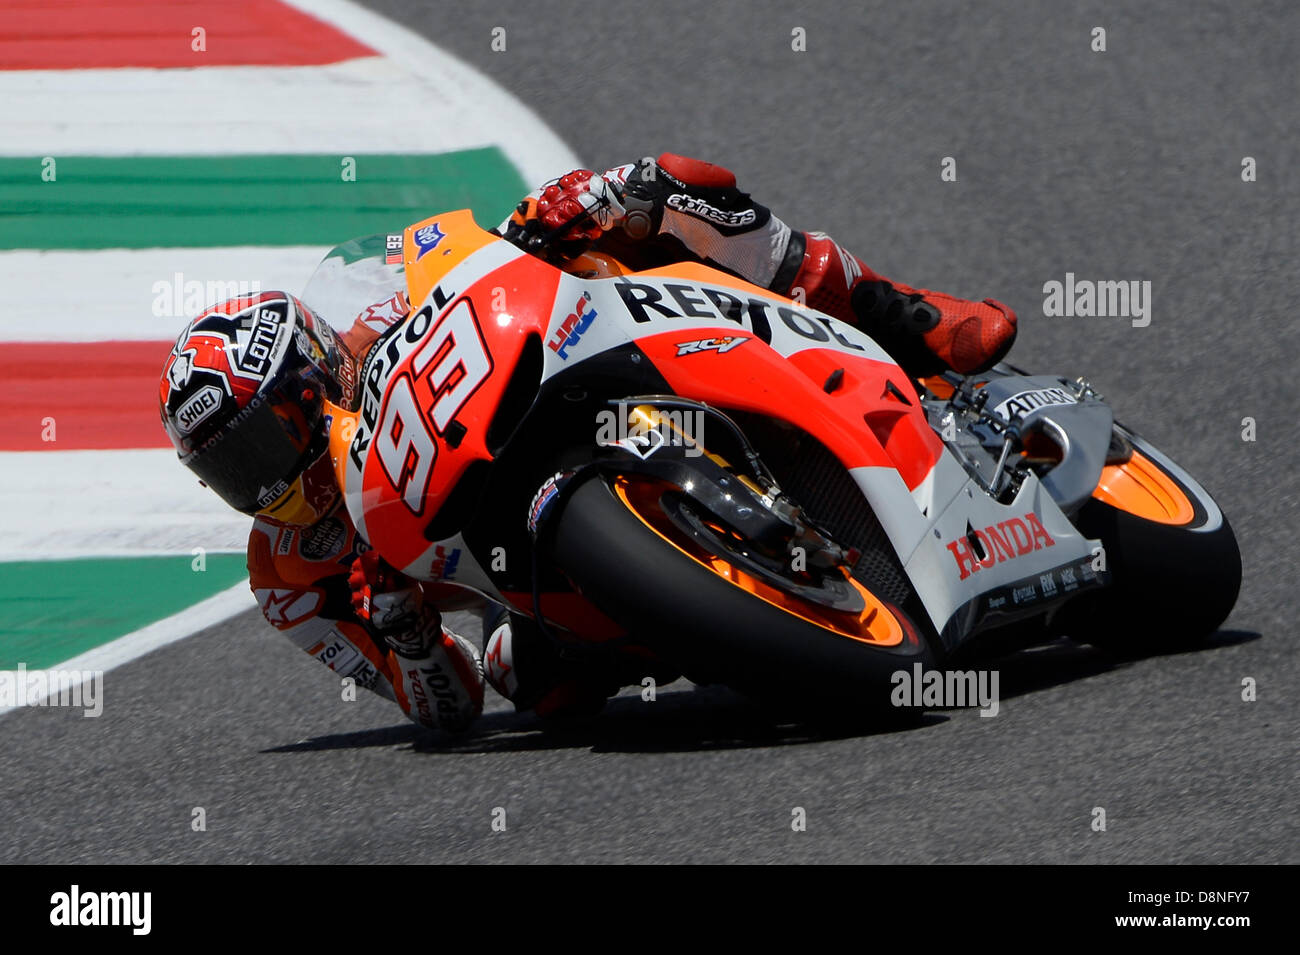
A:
(846, 377)
(477, 300)
(432, 384)
(920, 493)
(951, 572)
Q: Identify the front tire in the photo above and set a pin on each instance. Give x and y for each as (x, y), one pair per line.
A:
(713, 629)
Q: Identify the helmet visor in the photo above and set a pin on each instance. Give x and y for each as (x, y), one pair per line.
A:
(254, 459)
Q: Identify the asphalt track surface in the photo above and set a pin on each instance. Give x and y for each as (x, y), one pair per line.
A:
(1117, 165)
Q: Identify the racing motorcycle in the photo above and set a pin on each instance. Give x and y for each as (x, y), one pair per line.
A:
(678, 463)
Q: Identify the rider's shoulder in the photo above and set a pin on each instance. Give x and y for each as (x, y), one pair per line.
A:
(301, 555)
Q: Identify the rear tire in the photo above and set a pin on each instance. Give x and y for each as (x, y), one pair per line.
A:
(1172, 584)
(714, 630)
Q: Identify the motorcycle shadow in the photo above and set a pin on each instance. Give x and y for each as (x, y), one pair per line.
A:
(1034, 669)
(685, 718)
(681, 718)
(690, 719)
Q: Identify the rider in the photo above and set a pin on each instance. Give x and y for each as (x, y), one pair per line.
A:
(243, 400)
(676, 209)
(242, 397)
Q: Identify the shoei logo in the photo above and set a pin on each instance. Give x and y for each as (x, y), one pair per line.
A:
(427, 239)
(198, 408)
(1005, 541)
(1020, 404)
(702, 210)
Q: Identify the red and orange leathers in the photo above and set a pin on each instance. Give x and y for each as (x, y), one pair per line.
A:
(299, 575)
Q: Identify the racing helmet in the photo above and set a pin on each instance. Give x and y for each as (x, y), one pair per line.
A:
(242, 397)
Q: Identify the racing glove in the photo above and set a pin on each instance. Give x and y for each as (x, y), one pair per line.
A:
(588, 203)
(383, 598)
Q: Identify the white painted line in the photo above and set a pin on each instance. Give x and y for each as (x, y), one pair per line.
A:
(214, 610)
(532, 146)
(343, 108)
(71, 504)
(114, 294)
(416, 100)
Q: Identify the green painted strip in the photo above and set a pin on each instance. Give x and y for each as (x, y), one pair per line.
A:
(50, 611)
(146, 201)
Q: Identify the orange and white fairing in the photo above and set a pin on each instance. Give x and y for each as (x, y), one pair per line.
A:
(432, 385)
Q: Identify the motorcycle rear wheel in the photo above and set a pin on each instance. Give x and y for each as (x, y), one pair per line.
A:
(1175, 561)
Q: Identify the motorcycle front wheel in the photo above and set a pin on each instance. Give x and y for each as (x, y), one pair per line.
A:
(701, 609)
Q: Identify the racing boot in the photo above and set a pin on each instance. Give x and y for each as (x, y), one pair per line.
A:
(521, 664)
(925, 332)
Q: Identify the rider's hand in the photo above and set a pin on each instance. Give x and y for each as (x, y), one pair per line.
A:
(573, 195)
(382, 596)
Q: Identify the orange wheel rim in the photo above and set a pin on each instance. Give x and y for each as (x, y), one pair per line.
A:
(1139, 487)
(875, 624)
